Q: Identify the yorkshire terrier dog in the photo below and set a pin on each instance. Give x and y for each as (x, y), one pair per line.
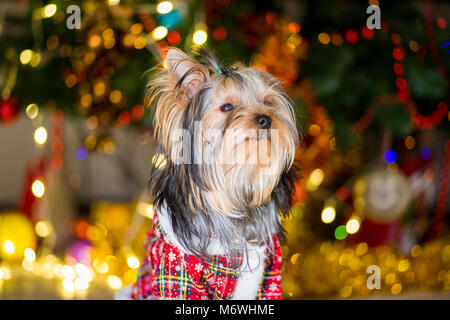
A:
(221, 178)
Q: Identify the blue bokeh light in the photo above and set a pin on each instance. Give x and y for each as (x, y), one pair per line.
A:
(170, 20)
(425, 152)
(390, 156)
(81, 153)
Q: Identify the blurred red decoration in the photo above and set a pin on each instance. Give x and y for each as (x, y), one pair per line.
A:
(174, 38)
(294, 27)
(79, 228)
(351, 36)
(35, 169)
(398, 69)
(251, 40)
(219, 33)
(137, 112)
(271, 17)
(442, 198)
(367, 33)
(398, 54)
(403, 96)
(299, 193)
(376, 234)
(124, 118)
(396, 39)
(442, 108)
(441, 22)
(57, 146)
(8, 110)
(147, 21)
(400, 83)
(342, 193)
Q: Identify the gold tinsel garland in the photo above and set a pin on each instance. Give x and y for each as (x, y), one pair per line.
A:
(332, 269)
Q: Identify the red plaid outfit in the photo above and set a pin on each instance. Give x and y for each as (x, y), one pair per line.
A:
(170, 273)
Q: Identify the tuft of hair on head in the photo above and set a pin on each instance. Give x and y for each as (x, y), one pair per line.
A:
(208, 58)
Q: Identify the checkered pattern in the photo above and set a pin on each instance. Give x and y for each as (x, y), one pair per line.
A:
(169, 273)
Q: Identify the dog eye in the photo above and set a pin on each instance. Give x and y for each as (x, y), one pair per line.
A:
(227, 107)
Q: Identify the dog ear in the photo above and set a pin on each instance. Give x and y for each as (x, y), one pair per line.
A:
(187, 73)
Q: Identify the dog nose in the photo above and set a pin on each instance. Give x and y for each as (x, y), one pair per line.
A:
(263, 121)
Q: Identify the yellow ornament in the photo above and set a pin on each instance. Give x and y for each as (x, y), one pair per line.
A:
(16, 235)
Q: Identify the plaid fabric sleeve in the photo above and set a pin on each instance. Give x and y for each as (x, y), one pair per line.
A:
(168, 273)
(270, 288)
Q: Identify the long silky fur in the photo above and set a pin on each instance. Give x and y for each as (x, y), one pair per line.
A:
(180, 187)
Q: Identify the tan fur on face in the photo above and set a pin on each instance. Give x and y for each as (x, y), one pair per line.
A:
(251, 160)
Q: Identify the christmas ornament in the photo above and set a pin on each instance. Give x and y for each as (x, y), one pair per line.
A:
(16, 235)
(382, 195)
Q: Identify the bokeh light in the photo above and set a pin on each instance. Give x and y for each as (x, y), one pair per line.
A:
(25, 56)
(32, 111)
(324, 38)
(43, 228)
(159, 33)
(200, 37)
(68, 285)
(133, 262)
(40, 135)
(410, 142)
(328, 214)
(340, 233)
(81, 153)
(38, 188)
(49, 10)
(30, 255)
(425, 152)
(352, 225)
(114, 282)
(315, 179)
(9, 247)
(164, 7)
(390, 156)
